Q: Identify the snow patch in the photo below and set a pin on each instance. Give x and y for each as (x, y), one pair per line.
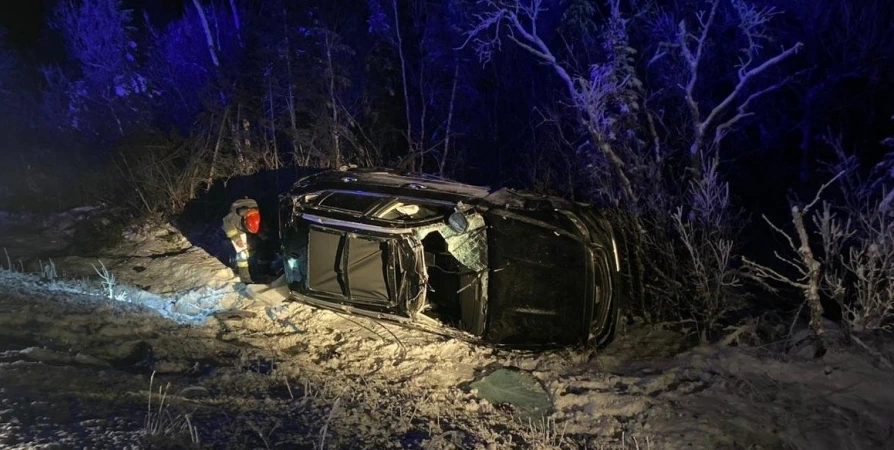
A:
(187, 307)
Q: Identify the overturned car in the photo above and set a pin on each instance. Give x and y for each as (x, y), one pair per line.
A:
(502, 266)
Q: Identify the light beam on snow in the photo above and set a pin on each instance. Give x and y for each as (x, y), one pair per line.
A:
(187, 307)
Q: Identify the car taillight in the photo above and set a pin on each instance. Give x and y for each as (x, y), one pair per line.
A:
(252, 221)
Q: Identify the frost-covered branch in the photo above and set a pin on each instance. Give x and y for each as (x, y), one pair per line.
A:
(742, 111)
(107, 279)
(710, 250)
(590, 93)
(518, 19)
(863, 246)
(751, 24)
(692, 57)
(813, 278)
(744, 78)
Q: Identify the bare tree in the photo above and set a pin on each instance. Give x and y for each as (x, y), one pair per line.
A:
(411, 145)
(844, 251)
(710, 249)
(807, 266)
(237, 22)
(208, 36)
(752, 25)
(418, 32)
(290, 91)
(860, 244)
(442, 163)
(592, 94)
(692, 253)
(329, 46)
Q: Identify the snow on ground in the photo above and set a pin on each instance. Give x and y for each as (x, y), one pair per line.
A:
(252, 371)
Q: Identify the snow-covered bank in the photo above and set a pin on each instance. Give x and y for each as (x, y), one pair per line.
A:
(191, 306)
(252, 371)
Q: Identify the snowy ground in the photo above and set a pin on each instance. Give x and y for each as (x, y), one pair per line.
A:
(236, 367)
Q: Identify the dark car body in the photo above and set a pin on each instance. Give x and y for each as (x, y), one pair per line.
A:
(502, 266)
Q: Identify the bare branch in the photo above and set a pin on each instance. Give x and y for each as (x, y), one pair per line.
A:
(791, 242)
(744, 78)
(814, 274)
(742, 110)
(752, 24)
(693, 60)
(541, 51)
(588, 93)
(822, 188)
(762, 273)
(788, 261)
(752, 21)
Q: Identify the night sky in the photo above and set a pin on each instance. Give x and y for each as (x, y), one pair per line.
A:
(26, 23)
(23, 21)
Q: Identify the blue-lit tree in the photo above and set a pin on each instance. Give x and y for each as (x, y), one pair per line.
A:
(183, 74)
(634, 164)
(106, 80)
(421, 37)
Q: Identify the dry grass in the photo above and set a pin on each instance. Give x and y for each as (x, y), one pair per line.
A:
(626, 442)
(162, 424)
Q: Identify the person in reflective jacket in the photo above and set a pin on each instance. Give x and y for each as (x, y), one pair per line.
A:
(242, 226)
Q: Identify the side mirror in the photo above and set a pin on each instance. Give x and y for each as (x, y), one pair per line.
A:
(458, 222)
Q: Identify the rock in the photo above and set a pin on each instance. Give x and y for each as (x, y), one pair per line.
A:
(172, 367)
(194, 392)
(44, 355)
(133, 353)
(88, 360)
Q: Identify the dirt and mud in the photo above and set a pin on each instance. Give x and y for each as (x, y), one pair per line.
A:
(175, 353)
